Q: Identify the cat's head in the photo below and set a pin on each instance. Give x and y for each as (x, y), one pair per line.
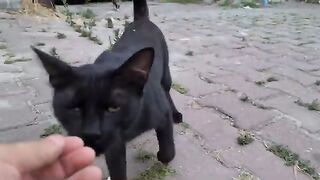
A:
(94, 102)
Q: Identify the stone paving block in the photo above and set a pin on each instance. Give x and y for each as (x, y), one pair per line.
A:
(265, 165)
(186, 166)
(45, 111)
(304, 116)
(195, 86)
(25, 133)
(246, 116)
(286, 61)
(216, 131)
(239, 83)
(11, 89)
(15, 111)
(294, 74)
(40, 88)
(295, 89)
(284, 131)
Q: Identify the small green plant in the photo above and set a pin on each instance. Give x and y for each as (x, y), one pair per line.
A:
(185, 125)
(225, 3)
(117, 36)
(292, 159)
(145, 156)
(12, 61)
(182, 1)
(245, 176)
(179, 88)
(272, 79)
(314, 105)
(260, 83)
(54, 129)
(3, 46)
(61, 36)
(40, 44)
(109, 23)
(53, 52)
(156, 171)
(245, 138)
(88, 13)
(189, 53)
(249, 3)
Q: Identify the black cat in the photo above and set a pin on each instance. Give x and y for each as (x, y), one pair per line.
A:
(123, 94)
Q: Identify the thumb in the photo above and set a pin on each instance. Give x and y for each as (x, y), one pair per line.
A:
(30, 156)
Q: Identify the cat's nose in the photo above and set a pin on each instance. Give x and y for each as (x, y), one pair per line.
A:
(91, 134)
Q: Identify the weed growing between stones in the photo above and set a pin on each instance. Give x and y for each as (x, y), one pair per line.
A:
(293, 159)
(3, 46)
(260, 83)
(40, 44)
(272, 79)
(88, 14)
(10, 60)
(54, 129)
(189, 53)
(182, 1)
(117, 36)
(246, 176)
(144, 156)
(61, 36)
(313, 106)
(156, 171)
(245, 138)
(179, 88)
(85, 30)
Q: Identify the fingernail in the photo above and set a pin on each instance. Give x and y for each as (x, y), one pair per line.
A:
(57, 139)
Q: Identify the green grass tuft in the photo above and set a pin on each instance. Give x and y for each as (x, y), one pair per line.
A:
(179, 88)
(245, 138)
(145, 156)
(182, 1)
(260, 83)
(292, 159)
(40, 44)
(156, 171)
(88, 13)
(2, 46)
(272, 79)
(61, 36)
(54, 129)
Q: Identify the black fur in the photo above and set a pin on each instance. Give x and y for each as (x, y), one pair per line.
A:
(123, 94)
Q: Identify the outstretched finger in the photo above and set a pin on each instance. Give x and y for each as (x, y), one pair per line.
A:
(29, 156)
(88, 173)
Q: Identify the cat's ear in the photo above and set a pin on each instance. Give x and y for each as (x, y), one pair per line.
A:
(135, 71)
(60, 73)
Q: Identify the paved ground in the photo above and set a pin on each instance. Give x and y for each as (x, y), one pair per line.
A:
(219, 56)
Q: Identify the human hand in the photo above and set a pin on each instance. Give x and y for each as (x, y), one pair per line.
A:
(53, 158)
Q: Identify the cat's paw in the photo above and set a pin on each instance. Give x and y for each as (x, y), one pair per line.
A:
(177, 117)
(166, 157)
(109, 178)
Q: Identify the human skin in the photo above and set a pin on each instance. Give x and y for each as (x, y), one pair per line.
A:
(53, 158)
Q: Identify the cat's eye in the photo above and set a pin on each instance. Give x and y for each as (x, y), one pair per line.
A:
(113, 109)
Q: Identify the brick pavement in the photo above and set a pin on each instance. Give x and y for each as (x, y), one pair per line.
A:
(232, 51)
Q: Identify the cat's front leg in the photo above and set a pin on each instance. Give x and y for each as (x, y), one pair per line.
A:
(116, 161)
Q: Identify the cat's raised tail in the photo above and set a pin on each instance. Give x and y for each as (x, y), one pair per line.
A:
(140, 9)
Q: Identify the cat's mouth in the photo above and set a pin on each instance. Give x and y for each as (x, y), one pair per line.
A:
(98, 145)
